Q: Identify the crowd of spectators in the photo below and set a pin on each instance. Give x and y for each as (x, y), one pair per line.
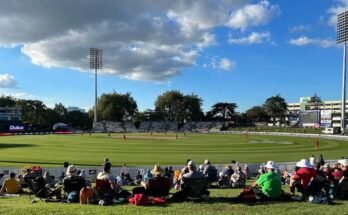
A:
(312, 179)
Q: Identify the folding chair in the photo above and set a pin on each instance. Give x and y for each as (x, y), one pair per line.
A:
(73, 184)
(196, 188)
(37, 186)
(103, 186)
(158, 187)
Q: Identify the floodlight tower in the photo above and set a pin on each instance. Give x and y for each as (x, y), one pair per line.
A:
(96, 62)
(342, 37)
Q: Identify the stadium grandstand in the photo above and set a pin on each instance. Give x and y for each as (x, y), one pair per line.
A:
(11, 119)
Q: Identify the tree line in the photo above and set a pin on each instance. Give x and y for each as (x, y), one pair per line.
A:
(172, 105)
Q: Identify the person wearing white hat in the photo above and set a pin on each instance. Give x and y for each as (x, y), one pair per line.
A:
(302, 177)
(193, 173)
(186, 188)
(73, 182)
(342, 186)
(268, 185)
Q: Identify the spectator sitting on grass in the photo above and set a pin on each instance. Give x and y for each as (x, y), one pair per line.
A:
(107, 175)
(268, 185)
(48, 180)
(138, 178)
(238, 178)
(156, 172)
(208, 167)
(302, 177)
(193, 173)
(185, 191)
(11, 185)
(27, 176)
(1, 179)
(342, 187)
(336, 173)
(148, 175)
(228, 172)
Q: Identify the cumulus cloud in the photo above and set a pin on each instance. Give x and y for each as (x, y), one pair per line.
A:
(253, 15)
(300, 28)
(226, 64)
(253, 38)
(303, 41)
(218, 63)
(7, 81)
(141, 40)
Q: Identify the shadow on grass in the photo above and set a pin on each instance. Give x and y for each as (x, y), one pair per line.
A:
(46, 163)
(14, 145)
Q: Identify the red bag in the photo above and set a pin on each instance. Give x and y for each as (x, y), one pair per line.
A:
(247, 195)
(139, 199)
(159, 201)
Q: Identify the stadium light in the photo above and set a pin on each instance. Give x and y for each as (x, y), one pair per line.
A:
(342, 37)
(96, 62)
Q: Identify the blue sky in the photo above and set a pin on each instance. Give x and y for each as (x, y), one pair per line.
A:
(223, 50)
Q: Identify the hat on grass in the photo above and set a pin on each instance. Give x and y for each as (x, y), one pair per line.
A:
(304, 163)
(157, 170)
(270, 165)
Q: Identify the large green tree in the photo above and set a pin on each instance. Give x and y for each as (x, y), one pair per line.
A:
(33, 112)
(175, 106)
(223, 111)
(171, 105)
(257, 114)
(276, 107)
(117, 107)
(77, 119)
(193, 107)
(7, 101)
(61, 111)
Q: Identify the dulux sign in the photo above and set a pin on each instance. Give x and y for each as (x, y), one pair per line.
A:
(16, 128)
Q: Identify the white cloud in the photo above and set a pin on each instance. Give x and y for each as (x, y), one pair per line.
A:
(253, 38)
(300, 28)
(7, 81)
(207, 40)
(342, 6)
(253, 15)
(217, 63)
(140, 40)
(303, 41)
(226, 64)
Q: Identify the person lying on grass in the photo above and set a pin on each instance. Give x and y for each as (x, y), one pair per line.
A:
(268, 185)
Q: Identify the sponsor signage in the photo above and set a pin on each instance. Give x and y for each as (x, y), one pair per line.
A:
(325, 118)
(17, 128)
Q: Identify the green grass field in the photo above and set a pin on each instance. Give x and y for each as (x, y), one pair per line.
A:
(218, 203)
(144, 149)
